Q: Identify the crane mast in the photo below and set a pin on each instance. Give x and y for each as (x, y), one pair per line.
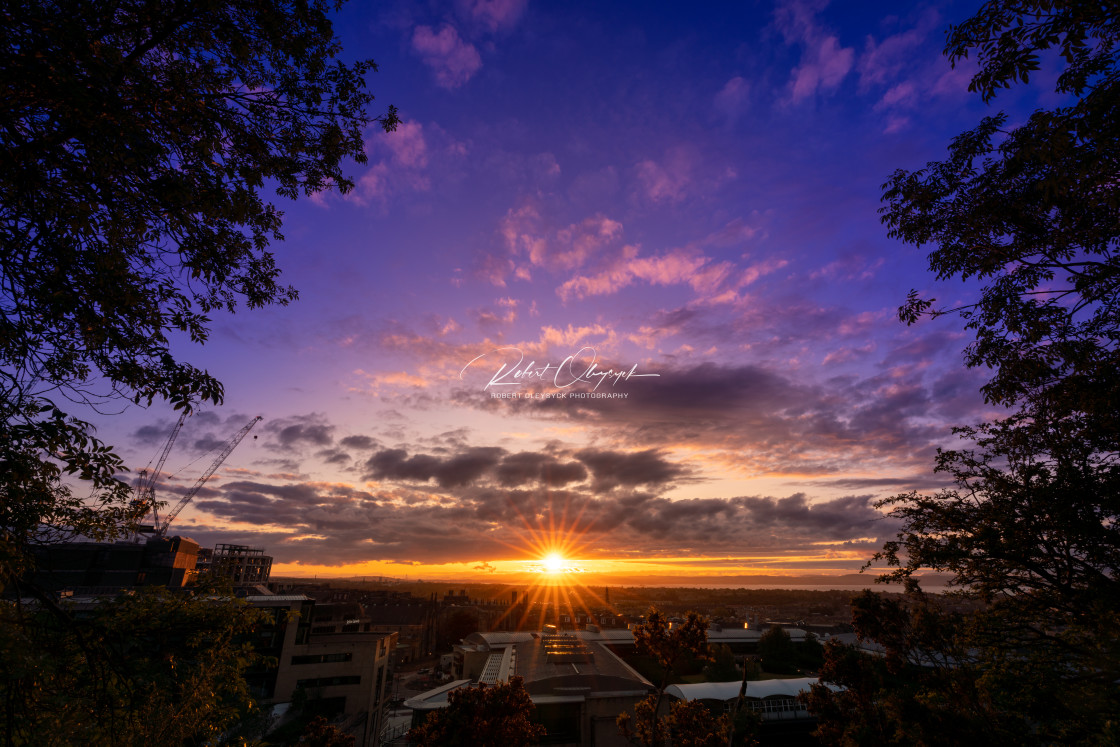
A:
(146, 488)
(226, 451)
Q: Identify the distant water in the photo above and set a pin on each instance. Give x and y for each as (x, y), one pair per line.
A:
(933, 586)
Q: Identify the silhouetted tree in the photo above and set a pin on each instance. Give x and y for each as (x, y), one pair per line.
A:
(777, 651)
(1029, 529)
(319, 733)
(136, 140)
(147, 668)
(687, 722)
(722, 667)
(499, 715)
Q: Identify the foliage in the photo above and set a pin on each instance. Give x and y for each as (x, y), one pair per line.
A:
(810, 653)
(457, 625)
(1031, 212)
(321, 734)
(691, 724)
(1030, 527)
(500, 714)
(722, 667)
(914, 692)
(668, 644)
(688, 723)
(136, 140)
(146, 668)
(136, 143)
(777, 651)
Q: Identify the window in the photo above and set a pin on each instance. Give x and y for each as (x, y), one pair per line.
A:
(353, 679)
(321, 658)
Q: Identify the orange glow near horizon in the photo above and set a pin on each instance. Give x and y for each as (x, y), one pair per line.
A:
(533, 568)
(554, 563)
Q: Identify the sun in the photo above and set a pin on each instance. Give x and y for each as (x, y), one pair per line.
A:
(554, 562)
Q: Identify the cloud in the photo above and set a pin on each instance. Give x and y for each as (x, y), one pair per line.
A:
(824, 65)
(336, 523)
(884, 61)
(612, 469)
(731, 100)
(474, 466)
(358, 442)
(529, 243)
(664, 182)
(293, 433)
(453, 60)
(714, 282)
(824, 62)
(493, 15)
(398, 163)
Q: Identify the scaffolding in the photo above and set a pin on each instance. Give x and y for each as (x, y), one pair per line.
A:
(241, 563)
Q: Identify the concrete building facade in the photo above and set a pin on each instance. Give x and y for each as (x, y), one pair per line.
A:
(340, 675)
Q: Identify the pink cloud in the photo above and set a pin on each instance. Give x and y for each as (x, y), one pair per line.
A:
(895, 124)
(731, 101)
(407, 146)
(955, 81)
(453, 60)
(826, 66)
(824, 63)
(578, 243)
(399, 162)
(737, 231)
(494, 15)
(664, 183)
(524, 235)
(884, 61)
(712, 281)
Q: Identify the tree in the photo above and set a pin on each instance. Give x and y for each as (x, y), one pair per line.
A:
(1029, 529)
(914, 691)
(1031, 212)
(321, 734)
(138, 145)
(722, 667)
(498, 714)
(669, 646)
(136, 140)
(146, 668)
(691, 723)
(777, 651)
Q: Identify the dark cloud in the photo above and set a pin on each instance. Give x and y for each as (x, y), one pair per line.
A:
(612, 468)
(333, 456)
(764, 421)
(318, 435)
(527, 466)
(150, 435)
(460, 469)
(468, 465)
(336, 524)
(207, 443)
(358, 442)
(292, 434)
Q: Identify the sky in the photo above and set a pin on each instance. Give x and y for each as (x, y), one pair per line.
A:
(673, 205)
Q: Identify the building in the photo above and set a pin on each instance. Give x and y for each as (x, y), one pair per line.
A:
(774, 700)
(578, 679)
(337, 675)
(107, 567)
(244, 565)
(577, 683)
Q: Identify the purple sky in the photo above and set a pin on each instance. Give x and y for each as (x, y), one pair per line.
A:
(690, 192)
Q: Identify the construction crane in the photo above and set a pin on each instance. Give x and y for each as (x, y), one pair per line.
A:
(161, 531)
(146, 487)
